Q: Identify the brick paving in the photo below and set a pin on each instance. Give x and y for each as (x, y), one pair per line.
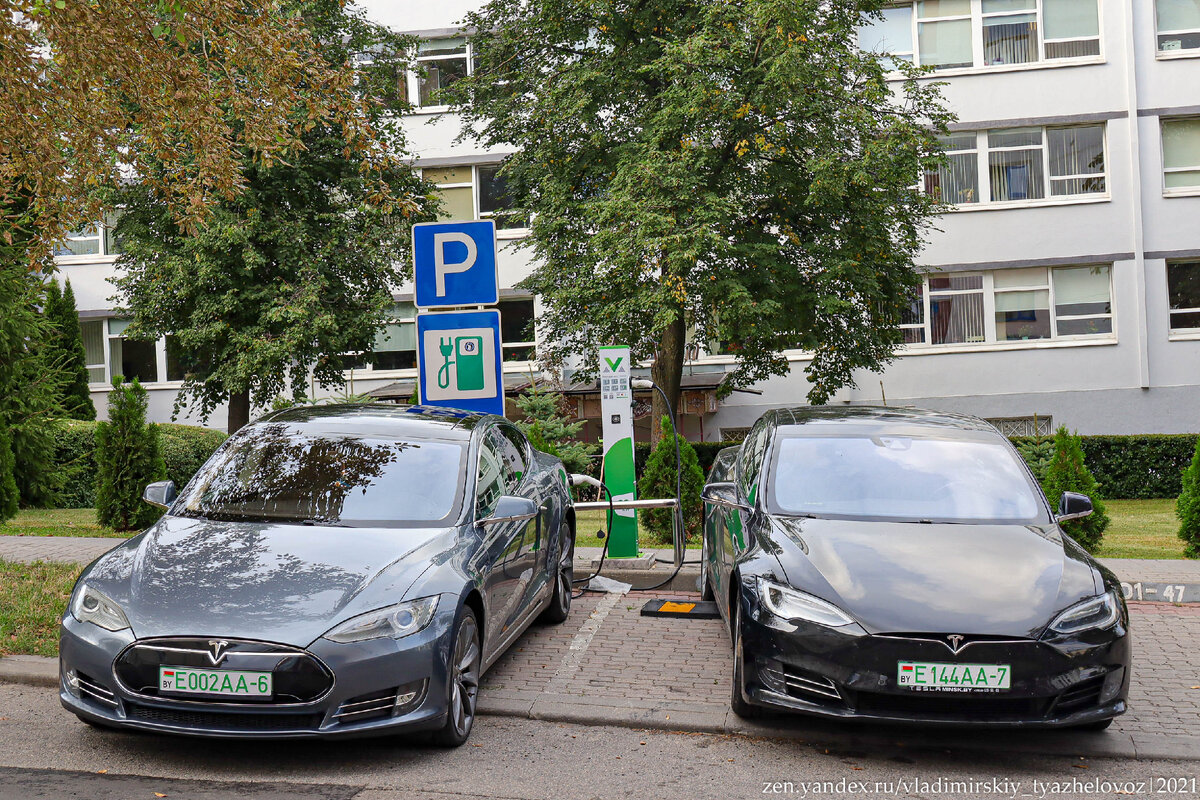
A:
(66, 549)
(665, 663)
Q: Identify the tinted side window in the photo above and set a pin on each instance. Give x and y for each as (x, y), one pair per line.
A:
(489, 481)
(515, 452)
(750, 460)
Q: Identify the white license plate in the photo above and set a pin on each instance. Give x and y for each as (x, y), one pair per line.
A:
(235, 683)
(958, 677)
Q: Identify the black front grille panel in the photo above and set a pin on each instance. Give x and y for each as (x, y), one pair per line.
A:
(296, 676)
(957, 705)
(1083, 695)
(218, 721)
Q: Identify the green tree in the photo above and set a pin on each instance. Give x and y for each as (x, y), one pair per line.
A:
(10, 497)
(30, 383)
(295, 271)
(550, 430)
(738, 169)
(66, 351)
(658, 480)
(1068, 473)
(1187, 507)
(1038, 453)
(128, 456)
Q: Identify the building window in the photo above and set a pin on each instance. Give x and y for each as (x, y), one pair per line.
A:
(1012, 305)
(1183, 289)
(1008, 32)
(396, 343)
(1020, 164)
(957, 180)
(955, 309)
(912, 319)
(1178, 25)
(1022, 302)
(93, 349)
(516, 329)
(1181, 153)
(132, 358)
(475, 193)
(440, 62)
(97, 239)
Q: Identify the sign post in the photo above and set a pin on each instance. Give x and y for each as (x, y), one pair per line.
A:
(458, 352)
(616, 411)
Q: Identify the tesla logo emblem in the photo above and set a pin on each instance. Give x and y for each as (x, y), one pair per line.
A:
(955, 640)
(216, 651)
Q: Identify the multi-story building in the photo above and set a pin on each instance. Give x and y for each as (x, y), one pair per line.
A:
(1063, 287)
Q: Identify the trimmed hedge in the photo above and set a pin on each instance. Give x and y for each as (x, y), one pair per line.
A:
(1135, 467)
(184, 449)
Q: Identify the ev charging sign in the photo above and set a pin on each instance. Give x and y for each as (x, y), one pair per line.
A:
(459, 355)
(454, 264)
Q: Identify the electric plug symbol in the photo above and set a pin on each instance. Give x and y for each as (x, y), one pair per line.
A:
(446, 348)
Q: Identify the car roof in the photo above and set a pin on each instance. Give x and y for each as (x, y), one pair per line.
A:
(881, 418)
(379, 419)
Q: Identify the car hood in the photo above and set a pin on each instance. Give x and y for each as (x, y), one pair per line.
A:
(258, 580)
(1006, 580)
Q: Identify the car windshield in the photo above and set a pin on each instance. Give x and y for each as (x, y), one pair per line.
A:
(902, 478)
(272, 472)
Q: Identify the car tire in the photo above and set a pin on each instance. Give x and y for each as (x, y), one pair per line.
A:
(738, 703)
(462, 682)
(1096, 726)
(560, 601)
(706, 591)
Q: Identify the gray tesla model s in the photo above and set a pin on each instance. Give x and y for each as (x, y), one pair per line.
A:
(338, 570)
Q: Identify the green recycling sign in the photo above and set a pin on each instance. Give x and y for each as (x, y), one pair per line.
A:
(616, 411)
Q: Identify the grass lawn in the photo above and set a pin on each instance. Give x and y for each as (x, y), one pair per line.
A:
(1139, 529)
(1142, 529)
(588, 522)
(58, 522)
(32, 600)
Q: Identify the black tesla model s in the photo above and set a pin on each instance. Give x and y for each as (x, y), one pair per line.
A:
(903, 565)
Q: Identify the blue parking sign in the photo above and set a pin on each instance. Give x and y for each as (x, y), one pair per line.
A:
(454, 264)
(458, 357)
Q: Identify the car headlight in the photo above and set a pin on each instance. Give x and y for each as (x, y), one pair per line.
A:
(1093, 613)
(395, 621)
(791, 604)
(92, 605)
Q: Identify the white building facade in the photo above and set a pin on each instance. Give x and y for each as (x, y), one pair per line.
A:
(1064, 287)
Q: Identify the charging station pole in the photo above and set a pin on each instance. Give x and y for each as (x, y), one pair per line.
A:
(616, 411)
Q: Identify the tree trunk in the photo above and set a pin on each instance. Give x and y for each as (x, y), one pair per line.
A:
(667, 372)
(239, 412)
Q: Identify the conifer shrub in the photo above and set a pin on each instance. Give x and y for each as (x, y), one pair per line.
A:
(658, 480)
(1187, 507)
(128, 456)
(1067, 473)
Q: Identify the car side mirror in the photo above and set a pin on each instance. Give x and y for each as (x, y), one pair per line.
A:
(511, 509)
(1073, 505)
(724, 495)
(160, 493)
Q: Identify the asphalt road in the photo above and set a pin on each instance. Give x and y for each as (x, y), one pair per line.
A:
(46, 753)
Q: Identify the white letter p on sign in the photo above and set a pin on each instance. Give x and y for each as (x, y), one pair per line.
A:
(440, 267)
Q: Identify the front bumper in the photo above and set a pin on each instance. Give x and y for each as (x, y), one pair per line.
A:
(849, 674)
(364, 679)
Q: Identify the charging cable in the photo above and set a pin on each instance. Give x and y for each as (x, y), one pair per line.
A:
(577, 480)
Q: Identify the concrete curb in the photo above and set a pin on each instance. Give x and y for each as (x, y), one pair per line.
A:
(718, 719)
